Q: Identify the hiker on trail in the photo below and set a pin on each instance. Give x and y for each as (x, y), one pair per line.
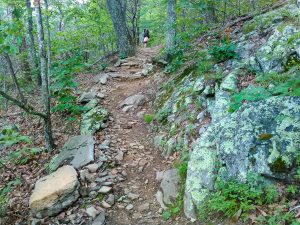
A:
(146, 37)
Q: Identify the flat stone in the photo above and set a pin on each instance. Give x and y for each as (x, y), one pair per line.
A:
(101, 78)
(133, 102)
(54, 192)
(159, 197)
(119, 156)
(105, 205)
(92, 212)
(93, 167)
(101, 95)
(133, 196)
(78, 152)
(105, 189)
(111, 199)
(87, 96)
(170, 185)
(100, 219)
(129, 207)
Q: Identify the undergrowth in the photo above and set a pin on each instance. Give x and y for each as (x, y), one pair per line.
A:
(4, 194)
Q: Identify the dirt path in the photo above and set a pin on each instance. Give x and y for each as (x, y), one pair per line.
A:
(131, 136)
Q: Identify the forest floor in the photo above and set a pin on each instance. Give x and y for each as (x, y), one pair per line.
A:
(130, 133)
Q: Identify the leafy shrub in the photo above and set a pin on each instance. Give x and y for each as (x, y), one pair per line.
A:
(280, 216)
(232, 197)
(250, 94)
(4, 198)
(162, 115)
(148, 118)
(176, 58)
(223, 51)
(64, 86)
(22, 156)
(11, 136)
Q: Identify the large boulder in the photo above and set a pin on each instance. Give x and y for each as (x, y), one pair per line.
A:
(54, 192)
(78, 152)
(261, 137)
(93, 120)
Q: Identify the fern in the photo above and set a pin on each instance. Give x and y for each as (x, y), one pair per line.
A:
(250, 94)
(223, 51)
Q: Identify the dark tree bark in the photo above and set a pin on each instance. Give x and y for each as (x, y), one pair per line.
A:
(117, 10)
(11, 70)
(45, 88)
(33, 57)
(172, 17)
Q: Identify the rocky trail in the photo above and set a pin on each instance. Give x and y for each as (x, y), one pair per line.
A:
(120, 168)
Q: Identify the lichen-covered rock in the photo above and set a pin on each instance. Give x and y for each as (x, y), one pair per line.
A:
(93, 120)
(54, 192)
(261, 137)
(90, 105)
(78, 152)
(273, 56)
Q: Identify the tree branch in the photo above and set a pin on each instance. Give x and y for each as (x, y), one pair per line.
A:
(28, 108)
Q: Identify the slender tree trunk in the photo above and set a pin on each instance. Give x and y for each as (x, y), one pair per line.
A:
(11, 70)
(4, 86)
(118, 15)
(48, 44)
(171, 33)
(33, 57)
(45, 88)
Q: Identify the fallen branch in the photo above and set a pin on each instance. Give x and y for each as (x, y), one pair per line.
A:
(27, 108)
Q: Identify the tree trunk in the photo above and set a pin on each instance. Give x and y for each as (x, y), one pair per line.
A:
(171, 33)
(11, 70)
(118, 15)
(48, 44)
(33, 57)
(45, 88)
(4, 86)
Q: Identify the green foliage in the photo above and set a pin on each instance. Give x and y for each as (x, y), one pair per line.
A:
(250, 94)
(271, 194)
(11, 136)
(273, 78)
(64, 86)
(4, 194)
(162, 115)
(233, 196)
(148, 118)
(280, 216)
(22, 156)
(292, 189)
(223, 51)
(176, 58)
